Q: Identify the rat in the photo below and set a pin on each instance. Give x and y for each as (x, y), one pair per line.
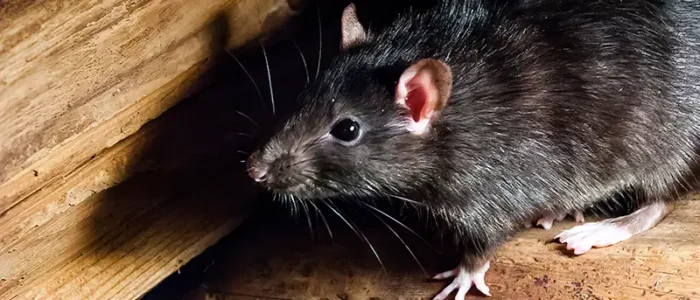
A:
(490, 115)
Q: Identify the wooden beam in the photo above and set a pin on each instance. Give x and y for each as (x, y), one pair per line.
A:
(106, 186)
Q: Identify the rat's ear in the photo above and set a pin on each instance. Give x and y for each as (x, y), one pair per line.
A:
(424, 89)
(353, 32)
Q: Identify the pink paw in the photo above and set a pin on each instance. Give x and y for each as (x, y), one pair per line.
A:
(463, 282)
(547, 221)
(582, 238)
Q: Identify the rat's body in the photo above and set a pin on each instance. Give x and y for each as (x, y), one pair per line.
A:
(525, 109)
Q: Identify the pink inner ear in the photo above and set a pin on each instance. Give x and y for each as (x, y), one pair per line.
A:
(424, 89)
(415, 100)
(416, 90)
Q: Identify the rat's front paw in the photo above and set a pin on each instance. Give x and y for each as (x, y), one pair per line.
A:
(547, 221)
(463, 281)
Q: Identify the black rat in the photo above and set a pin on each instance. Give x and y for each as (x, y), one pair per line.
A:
(492, 114)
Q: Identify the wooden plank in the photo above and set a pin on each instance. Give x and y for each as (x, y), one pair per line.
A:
(79, 76)
(133, 214)
(663, 263)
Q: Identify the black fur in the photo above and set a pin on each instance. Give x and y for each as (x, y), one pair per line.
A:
(556, 106)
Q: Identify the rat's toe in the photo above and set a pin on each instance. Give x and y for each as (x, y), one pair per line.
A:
(447, 274)
(462, 292)
(546, 222)
(479, 280)
(579, 246)
(447, 290)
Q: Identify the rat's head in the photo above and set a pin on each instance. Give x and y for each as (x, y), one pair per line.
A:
(359, 131)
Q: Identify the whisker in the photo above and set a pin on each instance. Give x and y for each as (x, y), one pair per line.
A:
(398, 222)
(320, 40)
(324, 185)
(257, 126)
(303, 61)
(243, 135)
(304, 161)
(312, 143)
(283, 198)
(405, 199)
(295, 206)
(358, 232)
(323, 218)
(401, 240)
(257, 88)
(242, 152)
(308, 216)
(374, 192)
(269, 78)
(320, 183)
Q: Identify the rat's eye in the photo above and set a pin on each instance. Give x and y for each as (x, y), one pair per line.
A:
(346, 130)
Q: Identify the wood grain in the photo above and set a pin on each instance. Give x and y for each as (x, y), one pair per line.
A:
(663, 263)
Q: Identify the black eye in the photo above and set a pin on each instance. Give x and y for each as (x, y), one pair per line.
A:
(346, 130)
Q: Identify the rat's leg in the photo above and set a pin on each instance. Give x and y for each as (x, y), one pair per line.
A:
(478, 237)
(480, 244)
(605, 233)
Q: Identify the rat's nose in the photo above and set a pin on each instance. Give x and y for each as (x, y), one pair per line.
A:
(273, 175)
(255, 171)
(259, 175)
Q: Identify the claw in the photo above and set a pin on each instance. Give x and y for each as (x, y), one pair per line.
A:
(463, 282)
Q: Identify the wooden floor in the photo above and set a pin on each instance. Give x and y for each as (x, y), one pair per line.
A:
(274, 257)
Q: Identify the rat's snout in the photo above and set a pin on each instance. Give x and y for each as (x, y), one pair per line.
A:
(258, 174)
(257, 169)
(275, 174)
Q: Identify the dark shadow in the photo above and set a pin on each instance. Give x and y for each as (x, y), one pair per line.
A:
(207, 135)
(283, 258)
